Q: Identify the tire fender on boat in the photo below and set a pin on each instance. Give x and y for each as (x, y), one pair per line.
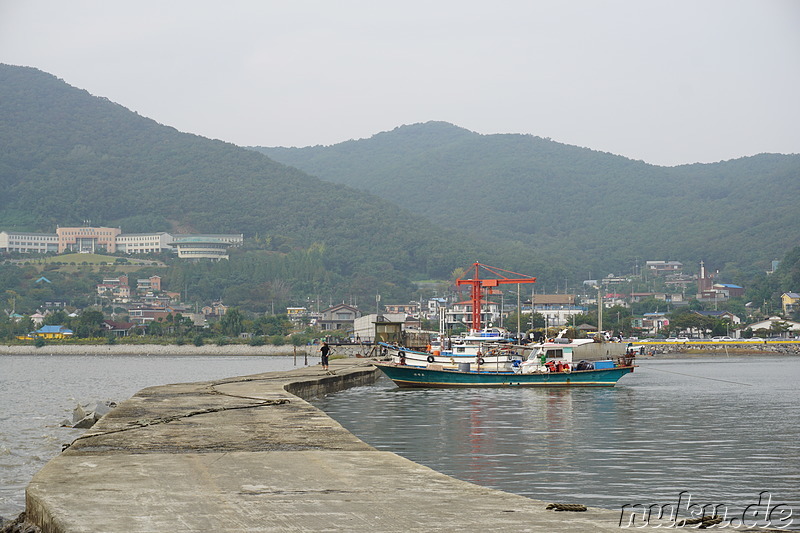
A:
(431, 359)
(480, 360)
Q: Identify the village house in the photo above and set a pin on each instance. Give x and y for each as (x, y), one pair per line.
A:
(339, 316)
(215, 310)
(37, 319)
(117, 289)
(296, 314)
(460, 314)
(721, 315)
(650, 323)
(53, 332)
(119, 329)
(769, 327)
(434, 305)
(384, 327)
(151, 284)
(557, 309)
(406, 309)
(659, 268)
(790, 301)
(144, 315)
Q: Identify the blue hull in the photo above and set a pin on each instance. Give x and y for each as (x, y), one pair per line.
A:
(411, 376)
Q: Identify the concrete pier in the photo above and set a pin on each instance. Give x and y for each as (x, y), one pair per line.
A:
(249, 454)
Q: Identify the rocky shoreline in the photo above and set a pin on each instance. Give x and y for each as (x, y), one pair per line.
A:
(721, 349)
(18, 525)
(354, 350)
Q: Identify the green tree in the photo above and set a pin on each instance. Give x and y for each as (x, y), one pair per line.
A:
(57, 318)
(89, 324)
(232, 322)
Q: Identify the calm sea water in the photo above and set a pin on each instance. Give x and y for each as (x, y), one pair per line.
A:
(721, 429)
(38, 391)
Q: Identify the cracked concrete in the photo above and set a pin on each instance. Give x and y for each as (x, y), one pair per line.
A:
(250, 455)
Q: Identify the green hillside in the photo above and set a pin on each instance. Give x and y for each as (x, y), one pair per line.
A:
(370, 216)
(590, 211)
(67, 156)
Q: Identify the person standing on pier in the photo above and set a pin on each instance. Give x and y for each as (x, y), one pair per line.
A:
(325, 350)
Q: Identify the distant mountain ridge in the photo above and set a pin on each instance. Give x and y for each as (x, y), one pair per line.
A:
(377, 206)
(593, 211)
(67, 156)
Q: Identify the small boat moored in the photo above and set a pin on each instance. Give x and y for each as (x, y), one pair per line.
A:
(538, 370)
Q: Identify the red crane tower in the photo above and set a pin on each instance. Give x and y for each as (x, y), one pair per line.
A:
(479, 284)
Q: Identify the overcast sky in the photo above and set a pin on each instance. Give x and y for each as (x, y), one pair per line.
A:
(668, 82)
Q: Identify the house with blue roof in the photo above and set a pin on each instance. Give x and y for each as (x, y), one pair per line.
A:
(53, 332)
(729, 290)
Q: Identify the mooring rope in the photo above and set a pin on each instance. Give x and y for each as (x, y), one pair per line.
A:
(704, 522)
(576, 507)
(700, 377)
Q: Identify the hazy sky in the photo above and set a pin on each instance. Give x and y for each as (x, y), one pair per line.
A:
(668, 82)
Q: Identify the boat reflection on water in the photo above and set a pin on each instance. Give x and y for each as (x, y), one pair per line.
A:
(494, 437)
(486, 454)
(705, 425)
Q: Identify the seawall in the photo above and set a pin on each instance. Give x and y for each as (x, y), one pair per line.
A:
(174, 349)
(722, 348)
(250, 454)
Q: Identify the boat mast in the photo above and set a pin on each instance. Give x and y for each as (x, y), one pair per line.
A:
(477, 285)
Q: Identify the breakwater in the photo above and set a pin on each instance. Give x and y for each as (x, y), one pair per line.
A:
(251, 454)
(723, 348)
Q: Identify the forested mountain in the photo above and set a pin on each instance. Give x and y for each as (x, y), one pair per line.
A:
(67, 156)
(410, 204)
(590, 211)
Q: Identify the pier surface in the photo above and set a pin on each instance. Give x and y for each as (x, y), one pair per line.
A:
(249, 454)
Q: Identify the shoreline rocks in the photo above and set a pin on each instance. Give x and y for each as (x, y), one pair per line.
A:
(715, 349)
(18, 525)
(86, 415)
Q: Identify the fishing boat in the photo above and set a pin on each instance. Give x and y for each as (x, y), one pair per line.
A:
(544, 368)
(491, 347)
(485, 359)
(596, 349)
(494, 350)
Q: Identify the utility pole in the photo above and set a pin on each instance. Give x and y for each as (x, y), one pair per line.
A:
(599, 309)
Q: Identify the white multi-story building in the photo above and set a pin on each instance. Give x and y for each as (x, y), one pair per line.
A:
(143, 243)
(25, 242)
(99, 239)
(664, 267)
(557, 309)
(460, 314)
